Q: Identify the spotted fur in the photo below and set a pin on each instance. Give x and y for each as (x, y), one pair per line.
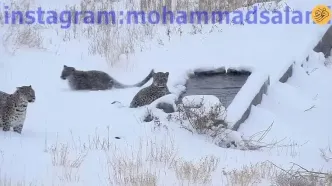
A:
(94, 79)
(13, 108)
(149, 94)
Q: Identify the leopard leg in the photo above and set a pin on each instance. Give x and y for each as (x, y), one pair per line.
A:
(6, 123)
(18, 128)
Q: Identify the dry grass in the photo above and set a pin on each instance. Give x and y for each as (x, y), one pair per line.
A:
(107, 39)
(155, 162)
(67, 162)
(60, 156)
(146, 163)
(250, 174)
(28, 37)
(141, 165)
(111, 41)
(152, 163)
(130, 170)
(9, 182)
(18, 36)
(267, 172)
(188, 172)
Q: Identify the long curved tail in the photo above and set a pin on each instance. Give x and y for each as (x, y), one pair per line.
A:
(145, 80)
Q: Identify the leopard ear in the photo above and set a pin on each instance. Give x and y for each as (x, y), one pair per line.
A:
(167, 73)
(30, 86)
(64, 66)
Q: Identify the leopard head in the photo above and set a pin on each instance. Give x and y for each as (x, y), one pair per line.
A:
(27, 92)
(66, 71)
(160, 79)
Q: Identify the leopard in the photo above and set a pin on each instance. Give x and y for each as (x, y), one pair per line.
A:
(13, 108)
(156, 90)
(95, 80)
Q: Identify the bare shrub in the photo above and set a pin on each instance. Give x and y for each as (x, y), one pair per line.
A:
(284, 179)
(298, 175)
(196, 172)
(207, 120)
(210, 121)
(275, 175)
(201, 118)
(61, 157)
(149, 117)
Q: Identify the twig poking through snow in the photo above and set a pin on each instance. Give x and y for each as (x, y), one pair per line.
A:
(310, 108)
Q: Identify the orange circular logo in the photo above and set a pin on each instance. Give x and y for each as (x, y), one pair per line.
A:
(321, 14)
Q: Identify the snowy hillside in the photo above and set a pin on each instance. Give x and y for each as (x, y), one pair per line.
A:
(81, 138)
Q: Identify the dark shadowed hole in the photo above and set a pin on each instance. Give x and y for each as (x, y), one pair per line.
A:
(223, 85)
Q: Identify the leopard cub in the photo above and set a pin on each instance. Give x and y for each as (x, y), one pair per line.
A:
(156, 90)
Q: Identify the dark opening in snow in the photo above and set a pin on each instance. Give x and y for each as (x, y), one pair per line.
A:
(217, 82)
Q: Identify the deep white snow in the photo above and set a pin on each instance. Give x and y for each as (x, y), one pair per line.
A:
(88, 123)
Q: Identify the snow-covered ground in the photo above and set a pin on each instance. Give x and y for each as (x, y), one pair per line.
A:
(69, 138)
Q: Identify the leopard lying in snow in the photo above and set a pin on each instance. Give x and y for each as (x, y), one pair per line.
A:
(94, 79)
(13, 108)
(149, 94)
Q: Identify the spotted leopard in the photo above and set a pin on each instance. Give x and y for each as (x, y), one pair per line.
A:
(156, 90)
(13, 108)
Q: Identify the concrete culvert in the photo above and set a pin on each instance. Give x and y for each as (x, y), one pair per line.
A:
(223, 85)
